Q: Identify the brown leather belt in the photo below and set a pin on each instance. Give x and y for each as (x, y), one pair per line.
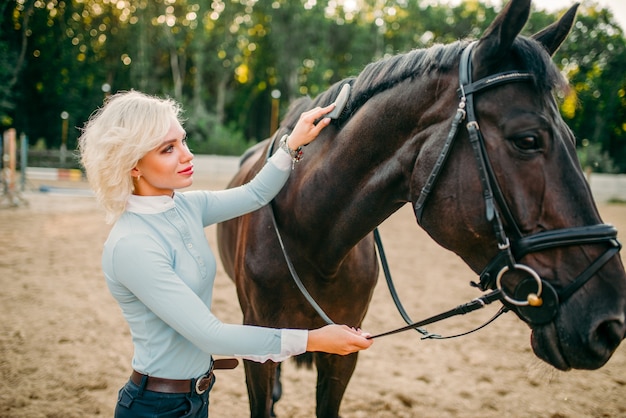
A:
(158, 384)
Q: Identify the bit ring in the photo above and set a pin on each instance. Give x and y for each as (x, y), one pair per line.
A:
(528, 270)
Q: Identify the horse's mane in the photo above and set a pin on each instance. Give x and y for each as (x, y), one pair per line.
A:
(386, 73)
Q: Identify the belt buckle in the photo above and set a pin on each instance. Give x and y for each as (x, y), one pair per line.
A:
(204, 383)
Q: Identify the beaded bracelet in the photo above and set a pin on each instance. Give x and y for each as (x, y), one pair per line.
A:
(296, 155)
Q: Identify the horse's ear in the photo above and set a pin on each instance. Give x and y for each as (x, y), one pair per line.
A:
(553, 36)
(499, 36)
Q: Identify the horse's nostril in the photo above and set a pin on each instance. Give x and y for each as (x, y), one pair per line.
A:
(610, 333)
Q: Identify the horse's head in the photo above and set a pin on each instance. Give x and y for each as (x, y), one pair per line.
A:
(536, 229)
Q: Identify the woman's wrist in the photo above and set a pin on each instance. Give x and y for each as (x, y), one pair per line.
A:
(311, 341)
(295, 154)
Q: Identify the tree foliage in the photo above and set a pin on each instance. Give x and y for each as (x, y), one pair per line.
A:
(223, 58)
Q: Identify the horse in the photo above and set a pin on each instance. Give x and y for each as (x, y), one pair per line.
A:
(470, 134)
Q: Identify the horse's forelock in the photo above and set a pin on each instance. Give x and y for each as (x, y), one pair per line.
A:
(538, 62)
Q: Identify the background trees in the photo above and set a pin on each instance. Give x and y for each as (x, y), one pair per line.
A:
(223, 59)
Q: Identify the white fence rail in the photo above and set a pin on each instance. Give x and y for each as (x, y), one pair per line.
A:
(608, 187)
(605, 187)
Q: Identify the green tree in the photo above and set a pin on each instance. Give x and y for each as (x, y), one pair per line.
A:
(223, 58)
(13, 44)
(594, 58)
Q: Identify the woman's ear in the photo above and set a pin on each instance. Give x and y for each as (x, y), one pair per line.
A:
(134, 172)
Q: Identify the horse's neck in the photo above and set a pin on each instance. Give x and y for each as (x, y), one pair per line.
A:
(355, 179)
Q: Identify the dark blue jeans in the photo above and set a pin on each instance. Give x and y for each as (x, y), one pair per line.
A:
(134, 401)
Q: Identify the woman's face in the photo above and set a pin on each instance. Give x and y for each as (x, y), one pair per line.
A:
(165, 168)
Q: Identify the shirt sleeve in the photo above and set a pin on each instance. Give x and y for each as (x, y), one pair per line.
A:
(223, 205)
(282, 160)
(293, 342)
(167, 298)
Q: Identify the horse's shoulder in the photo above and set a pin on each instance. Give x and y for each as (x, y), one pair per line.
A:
(250, 162)
(253, 151)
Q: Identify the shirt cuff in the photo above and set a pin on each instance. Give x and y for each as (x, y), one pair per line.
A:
(292, 343)
(281, 160)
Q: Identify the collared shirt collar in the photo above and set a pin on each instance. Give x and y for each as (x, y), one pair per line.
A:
(149, 204)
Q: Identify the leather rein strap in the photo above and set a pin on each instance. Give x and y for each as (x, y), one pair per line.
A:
(292, 269)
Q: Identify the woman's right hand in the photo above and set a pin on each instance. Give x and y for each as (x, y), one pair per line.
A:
(338, 339)
(306, 130)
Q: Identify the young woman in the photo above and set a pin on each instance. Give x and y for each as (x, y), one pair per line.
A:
(157, 262)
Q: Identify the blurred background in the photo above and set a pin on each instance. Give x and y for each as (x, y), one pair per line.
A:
(236, 65)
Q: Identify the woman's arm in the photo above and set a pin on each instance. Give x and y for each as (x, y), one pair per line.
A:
(231, 203)
(161, 292)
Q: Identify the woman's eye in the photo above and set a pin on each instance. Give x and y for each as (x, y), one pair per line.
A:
(526, 143)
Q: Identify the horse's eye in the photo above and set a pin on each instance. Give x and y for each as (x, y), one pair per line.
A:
(526, 143)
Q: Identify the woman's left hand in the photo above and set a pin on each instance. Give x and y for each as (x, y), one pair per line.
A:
(306, 130)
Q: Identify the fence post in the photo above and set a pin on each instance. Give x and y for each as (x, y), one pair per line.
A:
(9, 194)
(8, 159)
(64, 127)
(23, 160)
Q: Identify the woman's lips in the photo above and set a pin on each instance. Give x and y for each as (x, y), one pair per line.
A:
(187, 171)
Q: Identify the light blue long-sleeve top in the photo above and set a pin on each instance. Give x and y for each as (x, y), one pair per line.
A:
(159, 267)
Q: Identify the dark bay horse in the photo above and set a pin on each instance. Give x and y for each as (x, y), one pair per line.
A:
(470, 134)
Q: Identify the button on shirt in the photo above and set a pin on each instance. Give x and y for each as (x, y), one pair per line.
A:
(159, 267)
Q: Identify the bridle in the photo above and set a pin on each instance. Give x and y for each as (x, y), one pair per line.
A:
(534, 299)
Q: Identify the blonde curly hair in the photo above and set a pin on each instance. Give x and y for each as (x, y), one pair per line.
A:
(116, 137)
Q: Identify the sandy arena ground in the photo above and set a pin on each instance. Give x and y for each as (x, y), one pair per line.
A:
(65, 349)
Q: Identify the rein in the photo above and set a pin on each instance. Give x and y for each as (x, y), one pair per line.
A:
(471, 306)
(535, 300)
(292, 269)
